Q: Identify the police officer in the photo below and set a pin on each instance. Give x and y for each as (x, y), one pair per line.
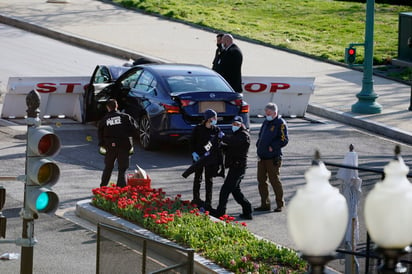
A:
(236, 150)
(205, 146)
(115, 133)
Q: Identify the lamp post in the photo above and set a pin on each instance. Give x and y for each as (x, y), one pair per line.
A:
(366, 97)
(317, 217)
(388, 215)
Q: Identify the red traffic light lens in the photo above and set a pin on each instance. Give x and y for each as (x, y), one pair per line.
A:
(351, 51)
(45, 144)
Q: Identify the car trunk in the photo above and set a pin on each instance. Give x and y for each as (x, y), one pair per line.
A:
(194, 104)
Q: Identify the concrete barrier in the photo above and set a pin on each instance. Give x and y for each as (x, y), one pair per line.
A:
(291, 94)
(63, 96)
(60, 96)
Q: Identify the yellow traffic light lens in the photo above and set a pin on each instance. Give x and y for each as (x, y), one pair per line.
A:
(42, 201)
(45, 173)
(45, 144)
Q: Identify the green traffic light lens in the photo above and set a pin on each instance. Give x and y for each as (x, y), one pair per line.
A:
(42, 201)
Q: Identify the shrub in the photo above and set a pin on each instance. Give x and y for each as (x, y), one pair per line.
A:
(226, 242)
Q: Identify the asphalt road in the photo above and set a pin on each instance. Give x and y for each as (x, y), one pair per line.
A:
(81, 167)
(65, 247)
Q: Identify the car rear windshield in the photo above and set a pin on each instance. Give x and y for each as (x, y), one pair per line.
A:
(196, 83)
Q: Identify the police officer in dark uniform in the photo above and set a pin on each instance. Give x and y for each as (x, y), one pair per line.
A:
(236, 150)
(115, 133)
(206, 149)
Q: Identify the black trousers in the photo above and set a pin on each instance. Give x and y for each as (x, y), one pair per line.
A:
(120, 153)
(232, 186)
(209, 171)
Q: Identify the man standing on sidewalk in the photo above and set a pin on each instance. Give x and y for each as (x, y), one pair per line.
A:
(229, 63)
(273, 136)
(219, 50)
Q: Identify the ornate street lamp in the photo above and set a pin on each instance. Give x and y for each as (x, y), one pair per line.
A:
(317, 217)
(388, 215)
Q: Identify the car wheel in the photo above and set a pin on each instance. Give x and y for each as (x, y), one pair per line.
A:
(145, 136)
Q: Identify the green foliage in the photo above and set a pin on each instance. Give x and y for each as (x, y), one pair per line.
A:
(321, 28)
(225, 242)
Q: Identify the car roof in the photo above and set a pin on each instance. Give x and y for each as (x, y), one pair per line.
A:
(178, 69)
(116, 71)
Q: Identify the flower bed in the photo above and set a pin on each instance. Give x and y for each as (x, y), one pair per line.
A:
(226, 242)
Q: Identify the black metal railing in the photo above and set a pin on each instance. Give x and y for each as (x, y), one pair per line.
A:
(121, 251)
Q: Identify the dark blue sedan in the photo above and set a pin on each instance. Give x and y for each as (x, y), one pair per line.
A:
(167, 100)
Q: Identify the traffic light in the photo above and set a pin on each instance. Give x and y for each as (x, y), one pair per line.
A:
(350, 55)
(41, 171)
(3, 220)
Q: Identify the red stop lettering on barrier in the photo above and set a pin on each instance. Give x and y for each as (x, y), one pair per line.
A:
(52, 87)
(46, 87)
(259, 87)
(275, 86)
(255, 87)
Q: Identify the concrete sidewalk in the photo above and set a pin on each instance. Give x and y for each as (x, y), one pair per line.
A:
(124, 33)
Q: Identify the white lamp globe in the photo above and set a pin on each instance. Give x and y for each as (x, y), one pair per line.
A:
(388, 208)
(317, 214)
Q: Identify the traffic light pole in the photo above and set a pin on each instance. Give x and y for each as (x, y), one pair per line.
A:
(26, 263)
(366, 97)
(28, 241)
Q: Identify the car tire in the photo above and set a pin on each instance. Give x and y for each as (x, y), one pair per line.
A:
(145, 133)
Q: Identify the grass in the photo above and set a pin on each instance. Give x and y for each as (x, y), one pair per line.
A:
(319, 28)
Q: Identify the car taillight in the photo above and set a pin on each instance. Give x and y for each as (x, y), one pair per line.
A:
(186, 103)
(237, 102)
(171, 109)
(244, 109)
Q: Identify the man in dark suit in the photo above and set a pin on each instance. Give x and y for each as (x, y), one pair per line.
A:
(219, 50)
(229, 64)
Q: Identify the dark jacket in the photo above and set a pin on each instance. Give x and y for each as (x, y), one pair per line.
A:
(206, 140)
(272, 134)
(116, 127)
(236, 148)
(230, 66)
(217, 57)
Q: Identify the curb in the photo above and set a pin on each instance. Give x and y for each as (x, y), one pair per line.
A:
(75, 40)
(364, 124)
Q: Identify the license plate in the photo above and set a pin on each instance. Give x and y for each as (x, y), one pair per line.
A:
(217, 106)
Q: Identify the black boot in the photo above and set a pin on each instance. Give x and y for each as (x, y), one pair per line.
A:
(247, 212)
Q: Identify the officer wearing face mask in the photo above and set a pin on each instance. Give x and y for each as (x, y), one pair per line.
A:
(205, 143)
(237, 147)
(273, 136)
